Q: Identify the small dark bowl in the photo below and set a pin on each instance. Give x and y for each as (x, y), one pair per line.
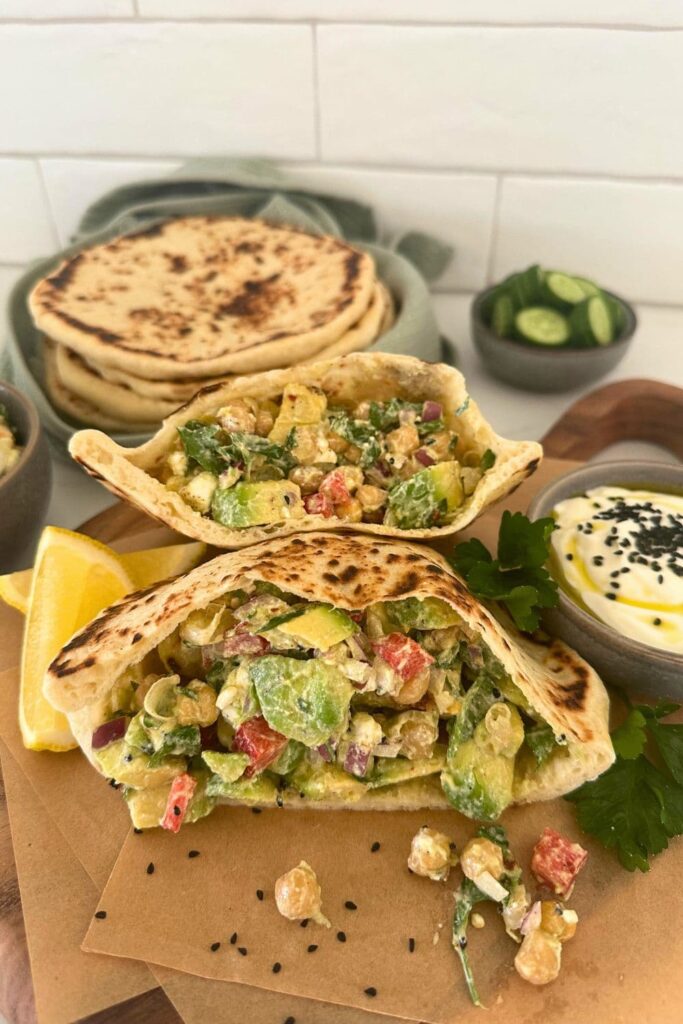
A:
(615, 657)
(540, 368)
(25, 490)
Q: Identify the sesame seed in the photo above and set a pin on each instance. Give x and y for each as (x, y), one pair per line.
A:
(370, 991)
(242, 950)
(341, 936)
(259, 894)
(411, 945)
(375, 847)
(150, 868)
(350, 905)
(192, 854)
(101, 914)
(312, 948)
(215, 946)
(304, 923)
(277, 967)
(233, 938)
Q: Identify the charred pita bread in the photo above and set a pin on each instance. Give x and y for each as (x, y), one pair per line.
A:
(350, 574)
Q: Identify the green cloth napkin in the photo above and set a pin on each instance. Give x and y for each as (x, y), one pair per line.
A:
(236, 188)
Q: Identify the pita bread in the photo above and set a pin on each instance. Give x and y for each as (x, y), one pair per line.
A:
(361, 335)
(202, 296)
(176, 391)
(348, 572)
(127, 472)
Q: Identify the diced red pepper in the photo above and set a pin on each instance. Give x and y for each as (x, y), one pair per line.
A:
(318, 504)
(556, 861)
(182, 789)
(404, 655)
(334, 487)
(245, 643)
(261, 743)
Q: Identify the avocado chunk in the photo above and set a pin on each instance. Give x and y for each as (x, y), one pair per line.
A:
(304, 700)
(301, 407)
(421, 613)
(255, 504)
(321, 627)
(327, 782)
(447, 484)
(478, 784)
(228, 767)
(391, 770)
(259, 790)
(140, 772)
(147, 806)
(427, 498)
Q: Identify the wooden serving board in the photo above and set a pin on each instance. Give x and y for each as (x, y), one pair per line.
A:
(636, 410)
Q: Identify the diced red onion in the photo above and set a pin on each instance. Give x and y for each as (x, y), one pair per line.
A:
(431, 411)
(326, 752)
(387, 750)
(356, 760)
(423, 456)
(244, 643)
(475, 655)
(532, 919)
(109, 732)
(209, 737)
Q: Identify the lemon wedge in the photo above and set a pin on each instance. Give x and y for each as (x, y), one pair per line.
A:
(144, 568)
(74, 578)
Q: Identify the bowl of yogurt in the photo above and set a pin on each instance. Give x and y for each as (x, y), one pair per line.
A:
(617, 556)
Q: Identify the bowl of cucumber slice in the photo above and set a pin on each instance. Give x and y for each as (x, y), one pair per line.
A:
(546, 330)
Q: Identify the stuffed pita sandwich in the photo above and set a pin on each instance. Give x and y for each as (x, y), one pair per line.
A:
(326, 671)
(382, 444)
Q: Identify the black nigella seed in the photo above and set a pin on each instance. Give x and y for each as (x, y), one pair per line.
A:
(176, 810)
(290, 1020)
(341, 936)
(215, 946)
(496, 696)
(656, 622)
(192, 854)
(350, 905)
(375, 847)
(150, 868)
(462, 942)
(277, 967)
(625, 569)
(113, 783)
(101, 914)
(615, 573)
(259, 894)
(138, 831)
(128, 758)
(279, 801)
(411, 945)
(614, 585)
(233, 938)
(611, 597)
(312, 948)
(256, 810)
(570, 558)
(660, 579)
(371, 991)
(304, 923)
(598, 560)
(242, 950)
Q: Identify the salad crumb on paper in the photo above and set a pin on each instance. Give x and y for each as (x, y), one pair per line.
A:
(298, 895)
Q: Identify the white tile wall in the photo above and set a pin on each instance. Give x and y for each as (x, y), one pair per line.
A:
(529, 99)
(629, 236)
(601, 12)
(90, 9)
(73, 184)
(153, 90)
(24, 214)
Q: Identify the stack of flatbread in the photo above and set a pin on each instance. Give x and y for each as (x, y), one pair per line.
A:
(135, 326)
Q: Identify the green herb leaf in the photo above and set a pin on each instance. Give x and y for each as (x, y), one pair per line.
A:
(669, 741)
(630, 738)
(523, 543)
(359, 432)
(488, 460)
(202, 445)
(541, 741)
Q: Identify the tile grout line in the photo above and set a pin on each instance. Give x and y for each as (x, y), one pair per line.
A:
(332, 23)
(52, 220)
(316, 93)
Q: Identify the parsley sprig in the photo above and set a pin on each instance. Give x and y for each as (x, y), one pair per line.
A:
(517, 577)
(636, 807)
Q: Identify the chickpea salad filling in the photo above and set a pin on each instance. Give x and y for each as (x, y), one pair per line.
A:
(256, 462)
(263, 698)
(10, 451)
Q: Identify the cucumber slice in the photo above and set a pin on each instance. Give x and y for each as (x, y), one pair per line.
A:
(582, 336)
(542, 326)
(618, 316)
(588, 287)
(503, 316)
(562, 290)
(600, 319)
(531, 282)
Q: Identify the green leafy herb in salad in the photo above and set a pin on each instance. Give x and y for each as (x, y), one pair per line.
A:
(203, 444)
(636, 807)
(517, 577)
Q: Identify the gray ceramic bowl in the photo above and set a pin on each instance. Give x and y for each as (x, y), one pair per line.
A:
(617, 659)
(25, 490)
(535, 368)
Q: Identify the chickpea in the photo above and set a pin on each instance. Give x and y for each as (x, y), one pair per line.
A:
(371, 498)
(353, 454)
(362, 411)
(199, 709)
(504, 729)
(351, 510)
(264, 422)
(431, 854)
(338, 444)
(481, 855)
(470, 478)
(403, 440)
(238, 415)
(308, 478)
(558, 921)
(413, 689)
(441, 446)
(298, 895)
(539, 957)
(353, 477)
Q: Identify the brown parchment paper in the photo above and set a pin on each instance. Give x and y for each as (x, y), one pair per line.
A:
(57, 899)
